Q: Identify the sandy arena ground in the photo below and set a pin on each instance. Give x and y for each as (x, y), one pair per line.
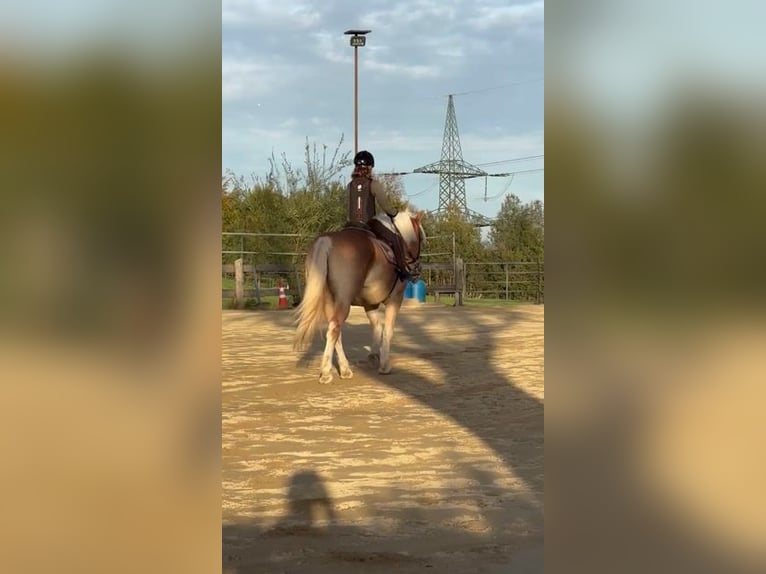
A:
(436, 467)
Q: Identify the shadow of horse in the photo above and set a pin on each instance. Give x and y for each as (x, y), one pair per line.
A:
(503, 415)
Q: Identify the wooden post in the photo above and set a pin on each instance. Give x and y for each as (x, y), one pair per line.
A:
(239, 287)
(507, 293)
(298, 289)
(459, 281)
(257, 284)
(539, 283)
(454, 253)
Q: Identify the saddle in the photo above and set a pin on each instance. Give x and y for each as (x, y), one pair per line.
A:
(359, 226)
(388, 251)
(383, 241)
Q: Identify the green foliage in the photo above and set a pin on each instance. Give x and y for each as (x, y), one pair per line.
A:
(517, 234)
(309, 200)
(289, 201)
(395, 191)
(467, 237)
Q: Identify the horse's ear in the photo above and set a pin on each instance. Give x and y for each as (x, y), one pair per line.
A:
(419, 216)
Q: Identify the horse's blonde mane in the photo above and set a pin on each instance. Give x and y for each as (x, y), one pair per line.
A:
(403, 221)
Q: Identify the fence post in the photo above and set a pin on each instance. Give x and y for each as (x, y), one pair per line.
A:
(507, 293)
(257, 284)
(454, 252)
(239, 284)
(459, 281)
(539, 283)
(298, 289)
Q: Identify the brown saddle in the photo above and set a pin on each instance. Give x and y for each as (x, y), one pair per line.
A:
(359, 226)
(388, 252)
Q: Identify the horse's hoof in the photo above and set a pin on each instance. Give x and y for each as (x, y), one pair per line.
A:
(324, 379)
(374, 359)
(346, 373)
(385, 370)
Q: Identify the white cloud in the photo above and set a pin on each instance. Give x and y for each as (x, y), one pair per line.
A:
(516, 16)
(268, 13)
(448, 46)
(419, 50)
(476, 147)
(409, 13)
(289, 124)
(409, 70)
(482, 148)
(330, 48)
(404, 141)
(245, 79)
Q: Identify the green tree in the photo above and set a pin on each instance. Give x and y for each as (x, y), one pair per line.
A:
(394, 188)
(517, 233)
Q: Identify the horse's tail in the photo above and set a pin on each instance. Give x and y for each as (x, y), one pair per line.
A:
(310, 312)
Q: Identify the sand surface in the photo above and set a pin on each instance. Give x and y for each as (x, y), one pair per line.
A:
(436, 467)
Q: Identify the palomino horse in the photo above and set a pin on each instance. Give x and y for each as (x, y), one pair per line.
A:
(353, 267)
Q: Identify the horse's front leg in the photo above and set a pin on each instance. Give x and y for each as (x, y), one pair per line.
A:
(392, 310)
(376, 322)
(333, 335)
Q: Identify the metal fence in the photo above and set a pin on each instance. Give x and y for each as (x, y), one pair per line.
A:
(507, 280)
(265, 248)
(271, 259)
(274, 259)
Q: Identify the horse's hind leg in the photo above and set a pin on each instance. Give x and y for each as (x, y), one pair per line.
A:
(376, 321)
(344, 367)
(336, 315)
(392, 309)
(325, 371)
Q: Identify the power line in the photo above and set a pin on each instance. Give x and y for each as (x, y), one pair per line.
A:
(468, 92)
(493, 197)
(512, 160)
(460, 173)
(501, 86)
(422, 191)
(514, 172)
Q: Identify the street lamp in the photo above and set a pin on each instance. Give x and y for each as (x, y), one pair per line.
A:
(357, 39)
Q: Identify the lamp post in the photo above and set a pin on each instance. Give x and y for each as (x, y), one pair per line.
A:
(357, 39)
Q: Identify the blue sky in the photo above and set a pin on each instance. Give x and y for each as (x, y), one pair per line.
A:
(288, 75)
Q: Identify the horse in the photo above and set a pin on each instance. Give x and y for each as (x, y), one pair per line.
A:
(353, 267)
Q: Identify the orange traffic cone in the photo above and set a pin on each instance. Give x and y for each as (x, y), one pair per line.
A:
(282, 297)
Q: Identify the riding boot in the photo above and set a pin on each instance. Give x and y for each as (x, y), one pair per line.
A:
(401, 266)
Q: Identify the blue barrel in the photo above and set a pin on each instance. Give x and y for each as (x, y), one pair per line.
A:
(420, 291)
(408, 290)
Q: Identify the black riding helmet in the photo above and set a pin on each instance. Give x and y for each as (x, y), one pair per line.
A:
(364, 158)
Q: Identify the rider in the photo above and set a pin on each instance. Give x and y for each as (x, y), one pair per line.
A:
(363, 192)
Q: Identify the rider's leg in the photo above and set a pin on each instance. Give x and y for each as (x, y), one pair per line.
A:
(398, 246)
